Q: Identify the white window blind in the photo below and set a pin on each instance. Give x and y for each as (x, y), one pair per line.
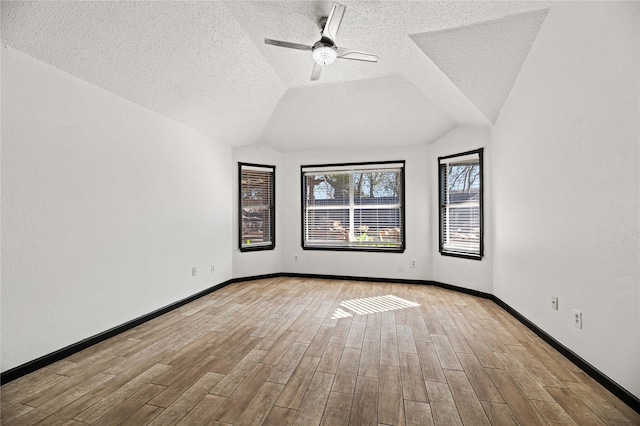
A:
(354, 207)
(461, 204)
(257, 207)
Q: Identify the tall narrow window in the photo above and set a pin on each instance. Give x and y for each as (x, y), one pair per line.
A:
(257, 207)
(353, 207)
(460, 185)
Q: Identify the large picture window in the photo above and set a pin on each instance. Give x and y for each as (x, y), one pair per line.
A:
(460, 183)
(257, 207)
(353, 207)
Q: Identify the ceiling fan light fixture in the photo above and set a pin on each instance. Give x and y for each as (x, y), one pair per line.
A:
(324, 55)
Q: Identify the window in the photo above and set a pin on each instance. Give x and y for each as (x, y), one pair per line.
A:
(353, 207)
(460, 183)
(257, 207)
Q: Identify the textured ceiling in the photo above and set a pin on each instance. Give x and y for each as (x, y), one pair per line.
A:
(484, 59)
(205, 64)
(391, 111)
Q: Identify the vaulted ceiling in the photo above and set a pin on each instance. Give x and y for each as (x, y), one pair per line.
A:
(204, 64)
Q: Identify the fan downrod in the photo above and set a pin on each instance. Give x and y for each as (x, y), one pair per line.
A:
(322, 21)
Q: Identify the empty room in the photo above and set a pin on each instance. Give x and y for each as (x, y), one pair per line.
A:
(318, 212)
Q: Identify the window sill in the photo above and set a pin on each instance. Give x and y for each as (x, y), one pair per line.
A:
(356, 249)
(461, 255)
(257, 248)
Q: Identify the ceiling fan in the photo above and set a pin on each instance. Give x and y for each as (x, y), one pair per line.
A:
(325, 51)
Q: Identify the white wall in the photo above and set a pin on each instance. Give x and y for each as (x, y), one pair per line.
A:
(381, 265)
(566, 185)
(467, 273)
(252, 263)
(106, 207)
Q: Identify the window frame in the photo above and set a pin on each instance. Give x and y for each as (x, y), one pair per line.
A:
(354, 167)
(272, 209)
(442, 205)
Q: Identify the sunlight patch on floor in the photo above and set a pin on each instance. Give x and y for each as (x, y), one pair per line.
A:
(370, 305)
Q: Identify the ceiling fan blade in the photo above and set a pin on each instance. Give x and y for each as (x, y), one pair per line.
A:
(287, 44)
(315, 74)
(333, 22)
(344, 53)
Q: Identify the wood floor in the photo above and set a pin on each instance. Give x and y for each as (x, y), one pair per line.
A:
(306, 352)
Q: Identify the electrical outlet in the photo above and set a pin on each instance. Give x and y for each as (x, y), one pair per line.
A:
(295, 258)
(554, 302)
(194, 271)
(577, 318)
(213, 269)
(413, 263)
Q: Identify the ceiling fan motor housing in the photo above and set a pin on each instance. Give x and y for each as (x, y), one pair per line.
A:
(324, 41)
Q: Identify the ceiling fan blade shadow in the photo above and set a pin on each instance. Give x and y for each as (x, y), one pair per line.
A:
(287, 44)
(333, 22)
(315, 74)
(356, 55)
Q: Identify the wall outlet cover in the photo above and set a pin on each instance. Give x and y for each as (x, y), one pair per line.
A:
(577, 318)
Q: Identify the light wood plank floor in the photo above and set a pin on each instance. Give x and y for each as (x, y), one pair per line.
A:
(301, 351)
